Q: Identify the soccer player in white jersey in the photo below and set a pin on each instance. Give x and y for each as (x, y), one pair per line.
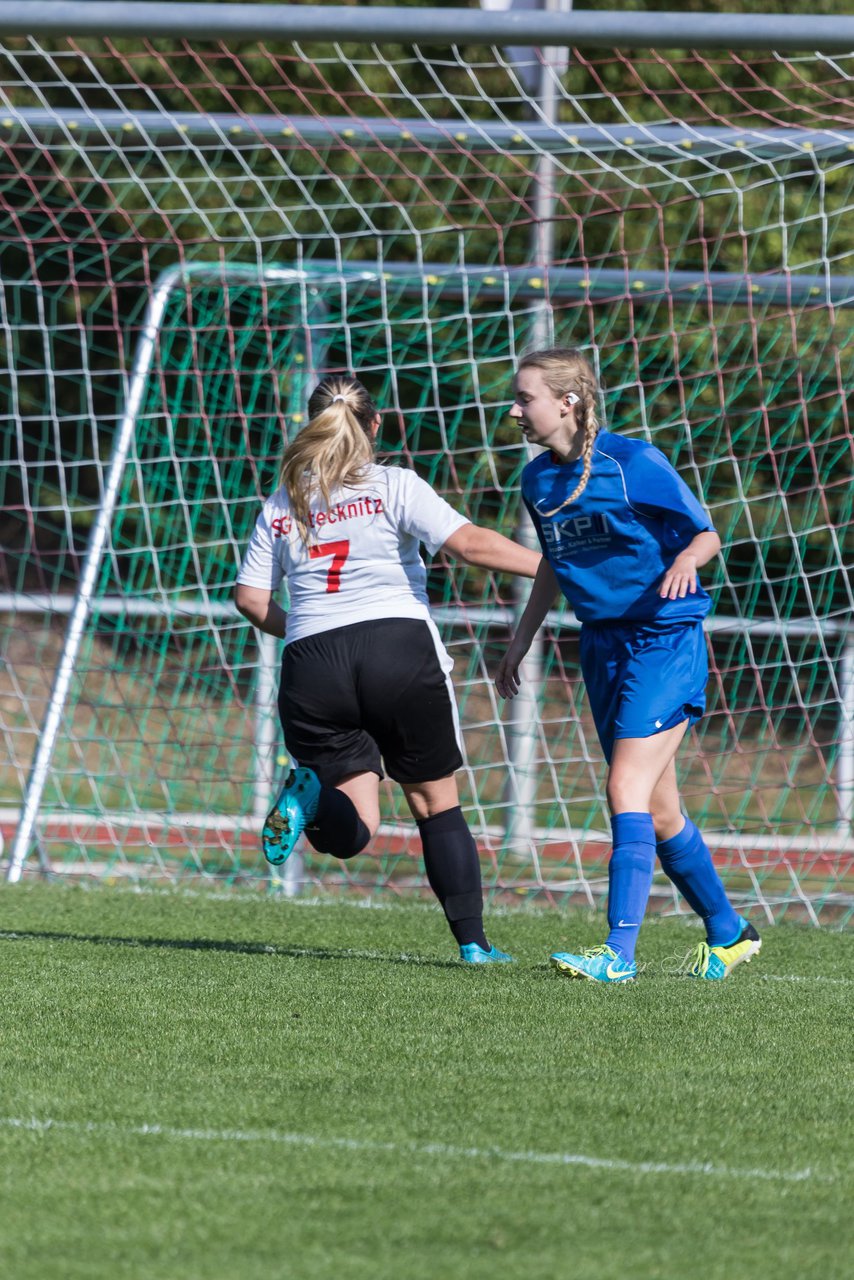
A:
(365, 678)
(622, 538)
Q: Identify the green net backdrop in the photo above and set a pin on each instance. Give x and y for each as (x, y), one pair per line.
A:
(380, 210)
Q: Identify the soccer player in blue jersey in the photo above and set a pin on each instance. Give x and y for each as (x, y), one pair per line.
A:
(623, 538)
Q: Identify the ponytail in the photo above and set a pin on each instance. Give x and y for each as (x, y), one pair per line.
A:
(333, 450)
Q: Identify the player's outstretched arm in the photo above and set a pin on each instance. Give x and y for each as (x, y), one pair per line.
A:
(258, 606)
(543, 595)
(681, 577)
(492, 550)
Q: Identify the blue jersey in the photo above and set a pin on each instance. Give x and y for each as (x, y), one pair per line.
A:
(611, 547)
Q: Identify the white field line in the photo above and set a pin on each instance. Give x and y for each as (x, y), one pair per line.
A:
(440, 1150)
(810, 977)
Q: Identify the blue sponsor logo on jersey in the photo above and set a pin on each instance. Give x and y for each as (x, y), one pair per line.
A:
(566, 535)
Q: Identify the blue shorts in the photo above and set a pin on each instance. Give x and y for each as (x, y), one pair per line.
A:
(642, 679)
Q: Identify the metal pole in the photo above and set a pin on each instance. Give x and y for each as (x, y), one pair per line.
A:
(291, 878)
(287, 880)
(94, 555)
(845, 756)
(524, 714)
(265, 727)
(608, 29)
(290, 133)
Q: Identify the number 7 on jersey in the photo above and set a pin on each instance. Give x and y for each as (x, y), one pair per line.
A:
(339, 552)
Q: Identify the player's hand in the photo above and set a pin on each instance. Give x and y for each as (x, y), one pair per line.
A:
(680, 579)
(507, 675)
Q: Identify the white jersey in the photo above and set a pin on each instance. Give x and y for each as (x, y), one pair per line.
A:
(363, 561)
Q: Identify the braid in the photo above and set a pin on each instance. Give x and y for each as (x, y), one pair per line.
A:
(590, 432)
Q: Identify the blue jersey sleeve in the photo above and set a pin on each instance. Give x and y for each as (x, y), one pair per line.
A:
(655, 489)
(535, 521)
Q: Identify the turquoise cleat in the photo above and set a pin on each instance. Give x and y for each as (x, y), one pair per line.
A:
(290, 815)
(597, 964)
(714, 963)
(471, 953)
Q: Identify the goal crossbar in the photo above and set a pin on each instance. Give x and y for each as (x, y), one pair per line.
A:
(559, 284)
(287, 131)
(612, 29)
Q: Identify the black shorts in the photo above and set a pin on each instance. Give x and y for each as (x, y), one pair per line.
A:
(372, 692)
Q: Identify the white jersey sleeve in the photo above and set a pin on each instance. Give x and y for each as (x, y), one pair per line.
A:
(261, 567)
(419, 511)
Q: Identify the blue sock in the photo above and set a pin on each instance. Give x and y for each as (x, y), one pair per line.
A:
(686, 860)
(629, 879)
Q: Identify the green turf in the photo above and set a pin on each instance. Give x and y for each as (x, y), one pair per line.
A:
(328, 1084)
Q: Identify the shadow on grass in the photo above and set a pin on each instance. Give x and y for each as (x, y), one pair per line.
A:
(239, 948)
(672, 966)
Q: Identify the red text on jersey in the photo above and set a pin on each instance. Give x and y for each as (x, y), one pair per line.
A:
(339, 552)
(281, 526)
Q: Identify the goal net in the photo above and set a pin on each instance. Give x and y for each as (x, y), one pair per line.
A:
(198, 229)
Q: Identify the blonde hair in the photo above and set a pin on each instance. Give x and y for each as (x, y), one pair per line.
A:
(333, 450)
(566, 370)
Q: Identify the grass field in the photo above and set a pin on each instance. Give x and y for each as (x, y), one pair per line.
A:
(231, 1086)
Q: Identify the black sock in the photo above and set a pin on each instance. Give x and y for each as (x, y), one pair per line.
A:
(453, 869)
(336, 828)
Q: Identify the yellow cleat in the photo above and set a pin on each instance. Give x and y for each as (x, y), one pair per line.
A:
(714, 963)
